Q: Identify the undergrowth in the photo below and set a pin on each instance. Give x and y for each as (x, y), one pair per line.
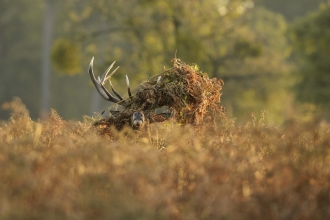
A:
(58, 169)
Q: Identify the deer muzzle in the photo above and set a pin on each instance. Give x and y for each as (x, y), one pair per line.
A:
(137, 120)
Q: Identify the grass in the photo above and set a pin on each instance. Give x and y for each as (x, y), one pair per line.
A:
(58, 169)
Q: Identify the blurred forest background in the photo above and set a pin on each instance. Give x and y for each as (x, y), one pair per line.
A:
(272, 55)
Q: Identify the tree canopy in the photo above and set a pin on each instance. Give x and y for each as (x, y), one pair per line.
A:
(232, 40)
(293, 8)
(238, 41)
(20, 30)
(310, 37)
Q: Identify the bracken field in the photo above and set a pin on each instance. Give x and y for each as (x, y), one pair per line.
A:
(58, 169)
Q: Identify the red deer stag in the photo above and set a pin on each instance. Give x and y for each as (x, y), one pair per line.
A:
(138, 118)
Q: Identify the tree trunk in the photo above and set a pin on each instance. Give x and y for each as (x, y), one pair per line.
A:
(45, 59)
(96, 98)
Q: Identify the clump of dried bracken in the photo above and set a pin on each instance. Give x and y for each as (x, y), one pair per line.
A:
(186, 90)
(58, 169)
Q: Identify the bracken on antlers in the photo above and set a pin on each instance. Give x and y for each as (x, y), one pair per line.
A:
(129, 115)
(186, 93)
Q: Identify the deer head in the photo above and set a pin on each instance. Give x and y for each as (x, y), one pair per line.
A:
(138, 118)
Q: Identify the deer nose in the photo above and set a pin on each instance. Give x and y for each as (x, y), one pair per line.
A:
(137, 123)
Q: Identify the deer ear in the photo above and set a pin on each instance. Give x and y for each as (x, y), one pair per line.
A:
(115, 113)
(160, 117)
(157, 118)
(166, 115)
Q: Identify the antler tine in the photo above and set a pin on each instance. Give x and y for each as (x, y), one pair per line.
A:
(109, 77)
(128, 87)
(104, 77)
(99, 86)
(114, 91)
(158, 80)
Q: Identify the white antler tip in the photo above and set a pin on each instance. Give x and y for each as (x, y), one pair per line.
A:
(127, 80)
(92, 61)
(158, 80)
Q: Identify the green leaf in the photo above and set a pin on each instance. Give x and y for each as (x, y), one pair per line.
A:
(66, 56)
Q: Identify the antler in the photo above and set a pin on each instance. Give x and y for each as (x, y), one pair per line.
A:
(128, 88)
(138, 118)
(99, 84)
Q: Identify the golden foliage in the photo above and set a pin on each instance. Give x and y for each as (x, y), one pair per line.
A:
(57, 169)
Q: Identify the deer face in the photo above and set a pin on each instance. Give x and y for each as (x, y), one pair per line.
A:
(138, 120)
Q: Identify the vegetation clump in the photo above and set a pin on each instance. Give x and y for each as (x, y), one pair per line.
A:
(183, 89)
(58, 169)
